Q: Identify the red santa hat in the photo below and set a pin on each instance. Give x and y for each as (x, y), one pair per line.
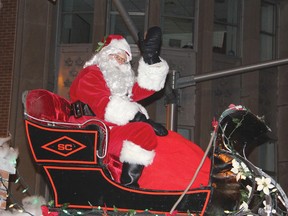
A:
(118, 42)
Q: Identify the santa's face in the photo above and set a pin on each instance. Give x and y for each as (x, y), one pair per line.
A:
(117, 73)
(120, 57)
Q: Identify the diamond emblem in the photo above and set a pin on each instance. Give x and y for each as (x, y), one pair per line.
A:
(64, 146)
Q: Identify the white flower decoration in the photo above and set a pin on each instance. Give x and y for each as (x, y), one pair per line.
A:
(244, 167)
(249, 188)
(264, 184)
(240, 169)
(244, 206)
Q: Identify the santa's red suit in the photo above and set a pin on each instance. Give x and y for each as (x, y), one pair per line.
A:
(132, 142)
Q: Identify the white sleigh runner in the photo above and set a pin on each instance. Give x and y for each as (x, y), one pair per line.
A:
(73, 159)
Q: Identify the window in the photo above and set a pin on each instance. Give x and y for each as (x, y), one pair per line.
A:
(267, 31)
(76, 21)
(137, 10)
(226, 27)
(178, 23)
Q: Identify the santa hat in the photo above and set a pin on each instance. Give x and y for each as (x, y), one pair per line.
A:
(118, 42)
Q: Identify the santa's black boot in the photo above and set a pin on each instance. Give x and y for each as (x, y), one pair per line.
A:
(131, 174)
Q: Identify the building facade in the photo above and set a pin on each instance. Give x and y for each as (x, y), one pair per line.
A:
(45, 43)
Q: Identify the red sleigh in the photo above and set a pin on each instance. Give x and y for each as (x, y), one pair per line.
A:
(74, 158)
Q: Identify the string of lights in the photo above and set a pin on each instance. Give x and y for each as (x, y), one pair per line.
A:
(48, 210)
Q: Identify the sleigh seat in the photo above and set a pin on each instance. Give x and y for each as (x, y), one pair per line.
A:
(53, 139)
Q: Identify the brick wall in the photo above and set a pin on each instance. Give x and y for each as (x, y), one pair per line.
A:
(7, 45)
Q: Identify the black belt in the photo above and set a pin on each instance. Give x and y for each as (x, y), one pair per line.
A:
(79, 109)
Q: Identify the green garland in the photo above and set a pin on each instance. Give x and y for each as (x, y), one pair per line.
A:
(100, 45)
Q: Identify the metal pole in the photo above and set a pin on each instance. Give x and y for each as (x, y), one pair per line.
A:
(182, 82)
(127, 20)
(172, 105)
(191, 80)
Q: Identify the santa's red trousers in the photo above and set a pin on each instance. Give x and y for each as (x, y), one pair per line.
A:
(139, 133)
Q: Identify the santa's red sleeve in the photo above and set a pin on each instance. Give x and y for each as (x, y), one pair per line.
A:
(90, 88)
(151, 78)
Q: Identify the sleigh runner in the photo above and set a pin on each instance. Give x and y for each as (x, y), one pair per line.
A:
(74, 158)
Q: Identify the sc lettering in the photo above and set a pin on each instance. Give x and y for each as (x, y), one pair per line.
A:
(65, 147)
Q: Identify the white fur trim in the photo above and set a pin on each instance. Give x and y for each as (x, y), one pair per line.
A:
(133, 153)
(122, 45)
(120, 110)
(152, 77)
(143, 110)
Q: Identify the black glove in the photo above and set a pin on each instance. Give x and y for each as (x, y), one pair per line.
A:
(159, 129)
(150, 46)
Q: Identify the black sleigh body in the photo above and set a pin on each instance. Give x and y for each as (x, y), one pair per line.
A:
(72, 157)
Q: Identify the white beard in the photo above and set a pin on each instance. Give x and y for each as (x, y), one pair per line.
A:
(119, 78)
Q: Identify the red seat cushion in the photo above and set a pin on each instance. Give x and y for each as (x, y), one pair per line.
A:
(43, 104)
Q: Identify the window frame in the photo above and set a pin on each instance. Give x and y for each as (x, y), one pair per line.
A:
(60, 27)
(194, 23)
(238, 26)
(272, 34)
(110, 12)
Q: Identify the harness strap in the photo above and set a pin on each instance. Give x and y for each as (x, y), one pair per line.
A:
(79, 109)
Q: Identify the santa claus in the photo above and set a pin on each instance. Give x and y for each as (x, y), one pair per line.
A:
(108, 88)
